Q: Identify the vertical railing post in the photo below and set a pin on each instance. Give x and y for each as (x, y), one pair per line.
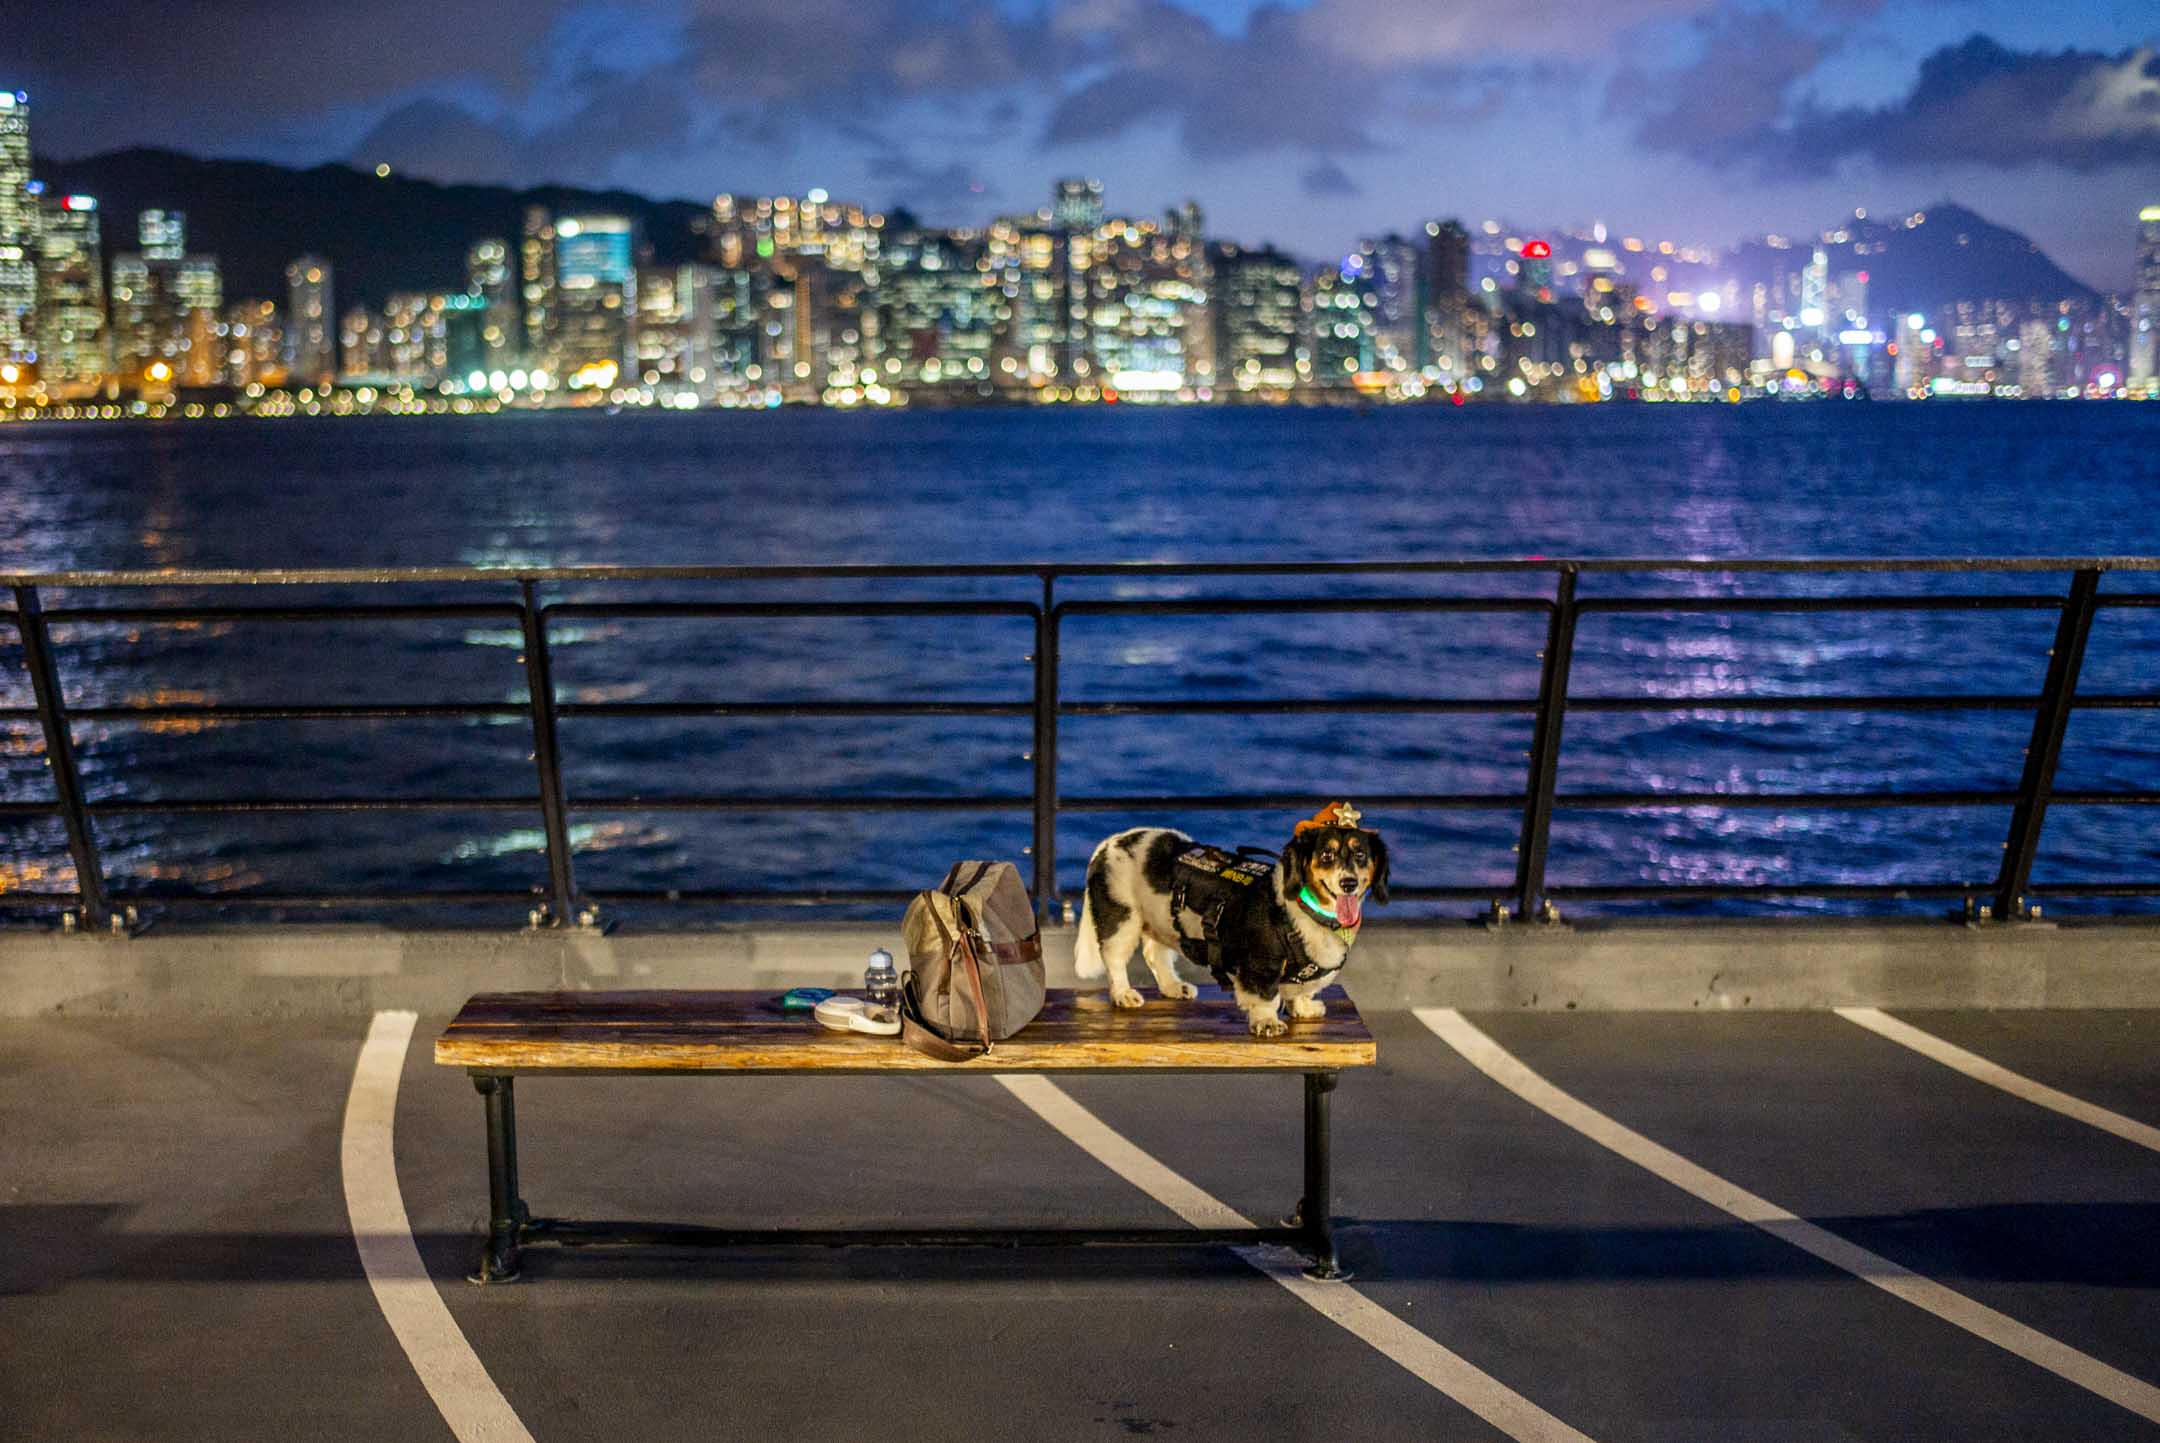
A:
(1530, 900)
(60, 757)
(2050, 721)
(547, 756)
(1045, 751)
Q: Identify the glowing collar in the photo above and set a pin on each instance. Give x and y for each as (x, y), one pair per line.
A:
(1312, 904)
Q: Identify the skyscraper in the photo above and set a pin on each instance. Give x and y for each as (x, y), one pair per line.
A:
(198, 307)
(71, 338)
(1258, 294)
(487, 277)
(2145, 307)
(310, 323)
(162, 234)
(18, 232)
(536, 287)
(1447, 294)
(595, 296)
(1078, 204)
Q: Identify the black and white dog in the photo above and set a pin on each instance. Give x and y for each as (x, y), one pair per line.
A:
(1270, 931)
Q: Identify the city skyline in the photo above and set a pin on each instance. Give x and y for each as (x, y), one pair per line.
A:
(1706, 122)
(823, 300)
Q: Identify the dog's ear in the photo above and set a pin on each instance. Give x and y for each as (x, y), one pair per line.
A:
(1295, 858)
(1380, 866)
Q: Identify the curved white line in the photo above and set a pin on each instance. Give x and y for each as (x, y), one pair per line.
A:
(1978, 1068)
(467, 1397)
(1982, 1321)
(1477, 1390)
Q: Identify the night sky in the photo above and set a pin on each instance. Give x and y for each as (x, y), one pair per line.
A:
(1305, 124)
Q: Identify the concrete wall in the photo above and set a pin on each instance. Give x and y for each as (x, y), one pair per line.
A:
(292, 971)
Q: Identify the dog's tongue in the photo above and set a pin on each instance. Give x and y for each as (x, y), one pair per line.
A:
(1346, 910)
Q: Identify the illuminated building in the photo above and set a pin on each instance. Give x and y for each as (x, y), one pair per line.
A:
(1039, 274)
(536, 286)
(1814, 315)
(678, 325)
(411, 349)
(1392, 264)
(198, 307)
(1341, 311)
(937, 308)
(1258, 310)
(1146, 316)
(18, 232)
(743, 232)
(162, 234)
(135, 309)
(595, 310)
(254, 344)
(2035, 358)
(72, 343)
(1447, 295)
(1077, 204)
(466, 337)
(360, 346)
(488, 279)
(311, 334)
(2145, 305)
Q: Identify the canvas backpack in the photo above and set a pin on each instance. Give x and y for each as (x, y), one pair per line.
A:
(975, 963)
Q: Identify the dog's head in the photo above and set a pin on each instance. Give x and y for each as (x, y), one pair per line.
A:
(1338, 862)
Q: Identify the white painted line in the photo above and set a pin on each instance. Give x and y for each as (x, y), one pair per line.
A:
(1978, 1068)
(1461, 1380)
(2005, 1332)
(469, 1401)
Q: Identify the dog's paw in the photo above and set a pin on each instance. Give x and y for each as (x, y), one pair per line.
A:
(1307, 1008)
(1126, 997)
(1267, 1026)
(1180, 991)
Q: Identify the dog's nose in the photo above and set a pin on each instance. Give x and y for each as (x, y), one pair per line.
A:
(1347, 884)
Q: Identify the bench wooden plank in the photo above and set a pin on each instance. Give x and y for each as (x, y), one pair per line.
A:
(675, 1031)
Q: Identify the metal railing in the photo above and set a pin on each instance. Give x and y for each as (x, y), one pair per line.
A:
(560, 899)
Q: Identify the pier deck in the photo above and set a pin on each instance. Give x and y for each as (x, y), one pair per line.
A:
(180, 1204)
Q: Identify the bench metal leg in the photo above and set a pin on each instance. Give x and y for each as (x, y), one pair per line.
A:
(507, 1214)
(1312, 1213)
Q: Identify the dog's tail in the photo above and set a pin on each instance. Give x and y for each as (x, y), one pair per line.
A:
(1087, 946)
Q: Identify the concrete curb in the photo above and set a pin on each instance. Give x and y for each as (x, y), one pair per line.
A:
(353, 971)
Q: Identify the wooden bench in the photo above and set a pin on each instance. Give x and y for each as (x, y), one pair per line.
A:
(499, 1036)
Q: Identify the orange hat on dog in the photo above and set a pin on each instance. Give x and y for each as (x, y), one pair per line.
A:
(1334, 814)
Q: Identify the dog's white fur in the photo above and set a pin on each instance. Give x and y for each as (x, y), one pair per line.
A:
(1151, 930)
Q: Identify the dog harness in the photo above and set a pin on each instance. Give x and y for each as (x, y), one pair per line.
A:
(1208, 882)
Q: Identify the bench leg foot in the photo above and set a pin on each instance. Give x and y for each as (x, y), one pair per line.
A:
(1312, 1210)
(507, 1214)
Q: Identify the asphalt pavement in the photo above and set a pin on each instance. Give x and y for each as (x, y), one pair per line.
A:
(177, 1261)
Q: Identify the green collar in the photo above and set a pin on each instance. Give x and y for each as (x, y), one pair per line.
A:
(1312, 904)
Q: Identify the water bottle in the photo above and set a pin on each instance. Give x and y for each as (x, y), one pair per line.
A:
(881, 981)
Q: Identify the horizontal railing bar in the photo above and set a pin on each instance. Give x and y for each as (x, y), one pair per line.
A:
(349, 576)
(794, 708)
(2093, 889)
(328, 711)
(2128, 599)
(2116, 701)
(358, 611)
(1758, 701)
(1376, 705)
(1682, 892)
(2093, 798)
(29, 809)
(1803, 801)
(1306, 801)
(1238, 606)
(326, 899)
(651, 610)
(1979, 602)
(240, 806)
(18, 714)
(765, 803)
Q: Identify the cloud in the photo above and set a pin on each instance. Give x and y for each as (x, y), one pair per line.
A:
(1720, 106)
(1974, 103)
(1325, 177)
